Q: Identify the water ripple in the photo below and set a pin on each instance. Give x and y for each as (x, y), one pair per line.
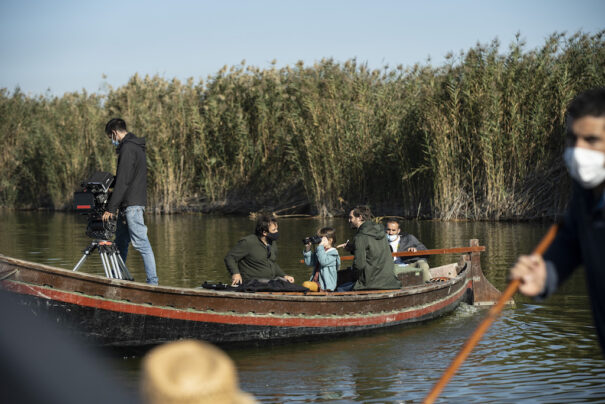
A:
(536, 352)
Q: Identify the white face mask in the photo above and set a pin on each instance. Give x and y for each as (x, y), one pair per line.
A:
(585, 166)
(392, 237)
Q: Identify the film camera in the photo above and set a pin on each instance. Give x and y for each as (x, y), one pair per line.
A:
(312, 240)
(92, 201)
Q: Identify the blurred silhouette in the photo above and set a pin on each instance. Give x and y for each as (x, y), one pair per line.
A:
(190, 372)
(40, 363)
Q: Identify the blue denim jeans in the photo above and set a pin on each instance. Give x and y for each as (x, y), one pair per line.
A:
(345, 287)
(135, 231)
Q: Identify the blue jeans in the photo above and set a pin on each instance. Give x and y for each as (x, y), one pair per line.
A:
(135, 231)
(345, 287)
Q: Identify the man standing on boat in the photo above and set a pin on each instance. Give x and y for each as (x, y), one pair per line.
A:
(580, 240)
(255, 256)
(373, 264)
(130, 195)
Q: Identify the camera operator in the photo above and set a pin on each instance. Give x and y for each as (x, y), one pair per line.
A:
(130, 195)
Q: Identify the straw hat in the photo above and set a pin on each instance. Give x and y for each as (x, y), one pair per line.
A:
(190, 372)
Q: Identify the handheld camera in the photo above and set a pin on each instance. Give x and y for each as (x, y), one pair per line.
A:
(312, 240)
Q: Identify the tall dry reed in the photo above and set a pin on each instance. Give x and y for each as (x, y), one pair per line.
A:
(479, 137)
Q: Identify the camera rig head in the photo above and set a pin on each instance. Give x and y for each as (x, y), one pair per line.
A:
(92, 201)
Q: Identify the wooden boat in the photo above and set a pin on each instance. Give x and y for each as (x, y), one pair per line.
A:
(119, 313)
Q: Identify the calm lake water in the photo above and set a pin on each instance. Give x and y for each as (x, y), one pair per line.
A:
(536, 352)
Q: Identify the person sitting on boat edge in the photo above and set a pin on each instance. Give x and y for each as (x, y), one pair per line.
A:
(581, 236)
(325, 261)
(405, 242)
(373, 264)
(255, 256)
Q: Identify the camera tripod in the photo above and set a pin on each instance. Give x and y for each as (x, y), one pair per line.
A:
(110, 258)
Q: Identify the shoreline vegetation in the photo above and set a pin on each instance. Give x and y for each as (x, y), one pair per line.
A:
(477, 138)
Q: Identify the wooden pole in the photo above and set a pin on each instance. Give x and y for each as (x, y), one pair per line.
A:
(486, 323)
(420, 253)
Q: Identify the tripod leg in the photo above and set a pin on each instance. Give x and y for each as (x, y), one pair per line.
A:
(114, 265)
(79, 264)
(86, 252)
(124, 268)
(114, 270)
(105, 264)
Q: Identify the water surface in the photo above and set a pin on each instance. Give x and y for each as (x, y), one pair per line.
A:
(537, 352)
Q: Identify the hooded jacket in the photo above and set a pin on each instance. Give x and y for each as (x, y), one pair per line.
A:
(327, 262)
(130, 188)
(373, 264)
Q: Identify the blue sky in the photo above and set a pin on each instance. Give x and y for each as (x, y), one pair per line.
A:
(64, 45)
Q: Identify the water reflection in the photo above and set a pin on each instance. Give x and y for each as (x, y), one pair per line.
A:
(538, 351)
(190, 248)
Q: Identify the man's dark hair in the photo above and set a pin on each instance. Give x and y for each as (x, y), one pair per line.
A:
(393, 221)
(364, 212)
(587, 103)
(262, 224)
(116, 124)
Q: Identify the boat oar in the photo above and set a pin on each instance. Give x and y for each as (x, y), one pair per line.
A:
(486, 323)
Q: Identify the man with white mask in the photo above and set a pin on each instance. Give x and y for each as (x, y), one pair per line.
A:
(405, 242)
(580, 240)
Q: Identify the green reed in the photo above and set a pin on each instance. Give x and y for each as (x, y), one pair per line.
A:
(479, 137)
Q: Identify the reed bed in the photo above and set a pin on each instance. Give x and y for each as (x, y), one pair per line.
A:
(479, 137)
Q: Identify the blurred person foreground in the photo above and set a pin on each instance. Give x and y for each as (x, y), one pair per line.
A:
(189, 371)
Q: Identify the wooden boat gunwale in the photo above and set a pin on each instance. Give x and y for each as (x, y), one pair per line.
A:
(198, 291)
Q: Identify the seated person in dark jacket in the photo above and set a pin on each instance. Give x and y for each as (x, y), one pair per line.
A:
(373, 264)
(580, 240)
(404, 242)
(255, 256)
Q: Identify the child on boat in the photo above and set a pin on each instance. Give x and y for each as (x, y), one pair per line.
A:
(325, 261)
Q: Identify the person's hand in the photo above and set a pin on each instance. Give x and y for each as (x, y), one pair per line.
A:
(324, 241)
(412, 249)
(343, 245)
(531, 270)
(107, 216)
(236, 279)
(289, 278)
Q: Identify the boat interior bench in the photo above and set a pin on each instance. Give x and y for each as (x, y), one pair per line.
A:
(409, 276)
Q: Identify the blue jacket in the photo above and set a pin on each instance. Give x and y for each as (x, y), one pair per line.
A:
(328, 263)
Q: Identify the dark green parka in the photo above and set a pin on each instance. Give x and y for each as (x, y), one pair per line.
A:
(252, 259)
(373, 263)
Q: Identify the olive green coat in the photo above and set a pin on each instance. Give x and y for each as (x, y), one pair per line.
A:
(373, 263)
(251, 258)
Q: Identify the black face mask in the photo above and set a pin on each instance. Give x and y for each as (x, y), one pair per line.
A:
(272, 236)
